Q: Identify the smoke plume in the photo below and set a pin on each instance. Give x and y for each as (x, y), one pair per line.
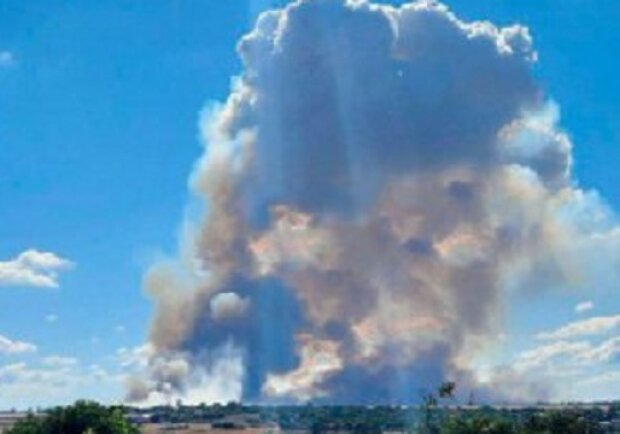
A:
(378, 183)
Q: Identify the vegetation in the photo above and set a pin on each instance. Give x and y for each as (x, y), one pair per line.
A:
(84, 417)
(433, 416)
(430, 400)
(555, 422)
(477, 425)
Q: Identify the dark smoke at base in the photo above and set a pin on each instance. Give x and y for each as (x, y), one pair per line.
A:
(376, 184)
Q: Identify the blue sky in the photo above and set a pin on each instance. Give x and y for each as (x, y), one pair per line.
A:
(99, 105)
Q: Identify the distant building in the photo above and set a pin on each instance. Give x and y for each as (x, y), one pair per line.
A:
(238, 422)
(10, 418)
(139, 418)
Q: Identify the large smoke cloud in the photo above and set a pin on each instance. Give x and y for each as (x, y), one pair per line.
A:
(377, 182)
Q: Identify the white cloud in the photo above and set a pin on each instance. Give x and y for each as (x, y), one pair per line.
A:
(559, 371)
(606, 352)
(60, 361)
(135, 357)
(33, 268)
(547, 353)
(12, 369)
(55, 380)
(584, 306)
(609, 378)
(601, 386)
(591, 326)
(8, 346)
(51, 318)
(579, 353)
(6, 59)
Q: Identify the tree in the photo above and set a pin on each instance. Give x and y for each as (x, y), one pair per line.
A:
(446, 390)
(559, 422)
(430, 400)
(29, 425)
(80, 418)
(477, 425)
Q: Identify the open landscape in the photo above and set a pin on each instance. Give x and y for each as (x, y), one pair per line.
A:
(309, 217)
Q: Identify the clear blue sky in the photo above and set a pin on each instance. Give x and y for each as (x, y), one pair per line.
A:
(99, 106)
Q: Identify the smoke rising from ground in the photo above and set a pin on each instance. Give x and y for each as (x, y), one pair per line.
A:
(378, 182)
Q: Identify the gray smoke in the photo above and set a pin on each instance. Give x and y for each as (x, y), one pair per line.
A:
(376, 184)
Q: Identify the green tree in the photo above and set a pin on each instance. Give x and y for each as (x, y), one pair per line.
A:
(446, 389)
(478, 425)
(29, 425)
(81, 418)
(430, 401)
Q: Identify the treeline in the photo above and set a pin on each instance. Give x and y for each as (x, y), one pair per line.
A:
(435, 415)
(431, 418)
(475, 422)
(549, 422)
(84, 417)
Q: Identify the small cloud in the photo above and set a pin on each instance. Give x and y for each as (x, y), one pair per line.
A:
(592, 326)
(584, 306)
(6, 59)
(120, 328)
(51, 318)
(8, 346)
(135, 357)
(100, 374)
(59, 361)
(33, 268)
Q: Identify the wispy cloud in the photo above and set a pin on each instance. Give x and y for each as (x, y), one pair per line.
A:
(605, 378)
(546, 353)
(562, 369)
(584, 306)
(591, 326)
(51, 318)
(33, 268)
(135, 357)
(59, 361)
(7, 58)
(9, 346)
(606, 352)
(579, 353)
(54, 380)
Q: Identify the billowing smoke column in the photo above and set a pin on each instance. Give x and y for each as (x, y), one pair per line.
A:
(377, 183)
